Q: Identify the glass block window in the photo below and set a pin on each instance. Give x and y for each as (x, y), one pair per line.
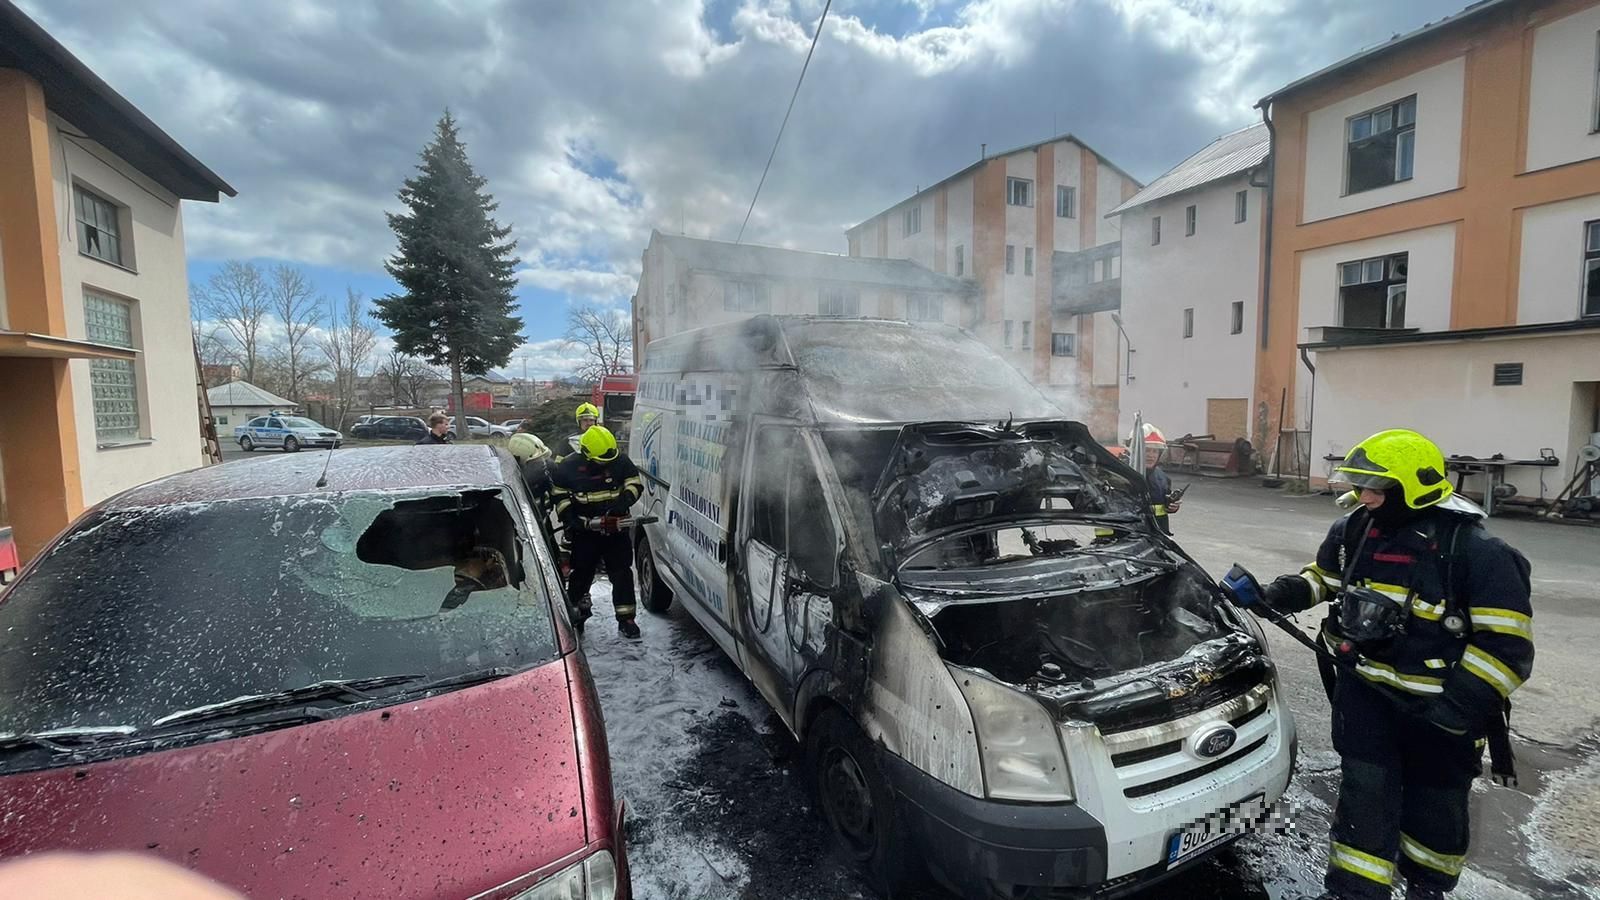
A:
(99, 234)
(108, 320)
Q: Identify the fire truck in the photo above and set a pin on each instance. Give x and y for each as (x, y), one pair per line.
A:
(614, 396)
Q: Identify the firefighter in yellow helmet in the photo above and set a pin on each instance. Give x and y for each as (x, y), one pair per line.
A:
(588, 416)
(592, 490)
(1429, 617)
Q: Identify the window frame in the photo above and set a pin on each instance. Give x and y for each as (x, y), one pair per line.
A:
(1014, 185)
(1241, 207)
(1066, 201)
(1385, 279)
(104, 374)
(911, 220)
(1191, 219)
(1589, 304)
(1403, 132)
(1027, 334)
(1011, 259)
(1066, 340)
(961, 260)
(1236, 317)
(759, 300)
(931, 307)
(1009, 327)
(845, 297)
(82, 197)
(1188, 322)
(1027, 261)
(1155, 231)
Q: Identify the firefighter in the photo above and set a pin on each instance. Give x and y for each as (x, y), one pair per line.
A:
(1162, 503)
(534, 462)
(588, 416)
(1431, 624)
(599, 484)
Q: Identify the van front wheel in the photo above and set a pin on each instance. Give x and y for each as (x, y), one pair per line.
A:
(856, 800)
(654, 594)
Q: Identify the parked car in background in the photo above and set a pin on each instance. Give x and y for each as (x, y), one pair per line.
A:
(350, 668)
(482, 428)
(287, 433)
(512, 425)
(391, 428)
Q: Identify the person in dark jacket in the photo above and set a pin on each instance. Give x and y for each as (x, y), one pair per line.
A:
(438, 430)
(1161, 502)
(592, 491)
(1432, 620)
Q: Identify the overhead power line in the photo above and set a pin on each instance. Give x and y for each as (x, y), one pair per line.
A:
(779, 139)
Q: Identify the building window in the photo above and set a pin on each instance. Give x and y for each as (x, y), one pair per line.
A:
(1381, 146)
(961, 260)
(1066, 202)
(1591, 269)
(838, 301)
(911, 220)
(1063, 344)
(1009, 325)
(1155, 231)
(745, 297)
(108, 320)
(1019, 192)
(1189, 216)
(222, 420)
(1241, 206)
(1027, 260)
(925, 308)
(1011, 259)
(1027, 335)
(1236, 322)
(99, 230)
(1372, 292)
(1188, 322)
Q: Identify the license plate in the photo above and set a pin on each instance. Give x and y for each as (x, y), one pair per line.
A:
(1250, 816)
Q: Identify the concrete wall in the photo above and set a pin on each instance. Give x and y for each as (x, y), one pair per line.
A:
(1561, 103)
(1218, 266)
(1550, 285)
(156, 280)
(1446, 391)
(1108, 196)
(1440, 97)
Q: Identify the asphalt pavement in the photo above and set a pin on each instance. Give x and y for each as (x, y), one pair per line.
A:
(718, 809)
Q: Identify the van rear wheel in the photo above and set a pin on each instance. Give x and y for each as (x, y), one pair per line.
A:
(856, 800)
(654, 594)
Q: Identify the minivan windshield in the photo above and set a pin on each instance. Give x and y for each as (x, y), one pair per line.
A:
(140, 613)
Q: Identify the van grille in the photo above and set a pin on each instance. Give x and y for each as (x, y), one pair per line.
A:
(1154, 759)
(1156, 787)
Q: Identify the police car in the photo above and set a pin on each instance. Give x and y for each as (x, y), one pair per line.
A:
(288, 433)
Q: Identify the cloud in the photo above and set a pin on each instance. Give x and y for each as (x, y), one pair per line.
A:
(598, 121)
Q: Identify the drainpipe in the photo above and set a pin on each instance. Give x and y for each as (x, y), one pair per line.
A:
(1311, 417)
(1266, 250)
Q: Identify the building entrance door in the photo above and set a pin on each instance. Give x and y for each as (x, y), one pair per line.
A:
(1227, 420)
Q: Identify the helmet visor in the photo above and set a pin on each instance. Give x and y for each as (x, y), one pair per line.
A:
(1366, 480)
(606, 455)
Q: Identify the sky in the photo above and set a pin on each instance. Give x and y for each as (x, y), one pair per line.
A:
(596, 121)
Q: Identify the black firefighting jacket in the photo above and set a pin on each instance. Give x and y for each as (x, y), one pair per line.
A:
(582, 489)
(1450, 571)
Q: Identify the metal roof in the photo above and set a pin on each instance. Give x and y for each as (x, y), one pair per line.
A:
(1224, 157)
(389, 469)
(78, 95)
(1394, 43)
(243, 393)
(1069, 136)
(777, 262)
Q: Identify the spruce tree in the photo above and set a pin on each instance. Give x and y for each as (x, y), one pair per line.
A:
(455, 269)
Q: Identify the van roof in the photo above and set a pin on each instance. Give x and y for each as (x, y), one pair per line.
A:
(854, 371)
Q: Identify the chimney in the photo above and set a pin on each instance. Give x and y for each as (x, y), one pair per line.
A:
(983, 151)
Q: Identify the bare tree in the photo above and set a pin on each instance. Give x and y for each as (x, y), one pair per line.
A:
(216, 360)
(235, 299)
(406, 377)
(606, 338)
(296, 304)
(347, 345)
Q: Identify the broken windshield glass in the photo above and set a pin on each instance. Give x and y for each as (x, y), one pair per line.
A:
(144, 612)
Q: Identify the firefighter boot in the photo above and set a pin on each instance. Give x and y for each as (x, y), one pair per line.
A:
(628, 628)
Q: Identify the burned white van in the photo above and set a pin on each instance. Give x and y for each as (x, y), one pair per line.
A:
(1003, 674)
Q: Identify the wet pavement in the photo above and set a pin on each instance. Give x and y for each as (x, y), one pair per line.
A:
(718, 807)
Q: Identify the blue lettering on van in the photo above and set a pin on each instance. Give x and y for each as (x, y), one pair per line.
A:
(708, 545)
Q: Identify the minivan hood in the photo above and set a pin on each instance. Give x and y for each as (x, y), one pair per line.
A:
(448, 796)
(942, 477)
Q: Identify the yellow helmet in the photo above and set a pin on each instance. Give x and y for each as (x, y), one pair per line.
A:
(587, 409)
(1400, 457)
(527, 446)
(598, 444)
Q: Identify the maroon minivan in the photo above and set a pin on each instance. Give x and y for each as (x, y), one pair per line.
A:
(357, 681)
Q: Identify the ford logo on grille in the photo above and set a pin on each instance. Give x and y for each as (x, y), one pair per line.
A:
(1213, 740)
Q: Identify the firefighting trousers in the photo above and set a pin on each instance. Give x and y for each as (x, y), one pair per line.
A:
(589, 550)
(1403, 796)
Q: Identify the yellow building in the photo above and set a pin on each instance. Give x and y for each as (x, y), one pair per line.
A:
(94, 300)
